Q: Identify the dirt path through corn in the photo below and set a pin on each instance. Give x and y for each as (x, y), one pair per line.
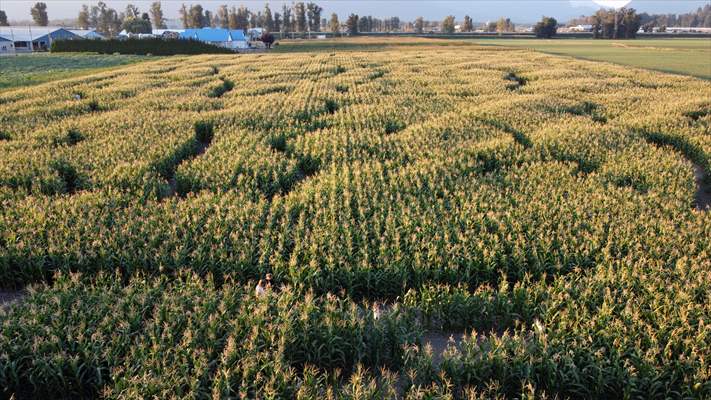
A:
(172, 182)
(703, 190)
(439, 341)
(7, 297)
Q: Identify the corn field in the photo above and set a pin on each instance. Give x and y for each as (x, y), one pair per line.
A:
(543, 205)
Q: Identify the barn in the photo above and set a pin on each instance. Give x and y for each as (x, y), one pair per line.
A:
(27, 39)
(87, 33)
(229, 38)
(7, 47)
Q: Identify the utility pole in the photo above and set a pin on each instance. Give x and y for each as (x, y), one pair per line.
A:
(32, 43)
(12, 33)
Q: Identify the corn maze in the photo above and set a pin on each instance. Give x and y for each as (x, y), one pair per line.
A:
(546, 206)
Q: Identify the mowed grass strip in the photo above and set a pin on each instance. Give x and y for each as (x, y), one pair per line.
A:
(679, 56)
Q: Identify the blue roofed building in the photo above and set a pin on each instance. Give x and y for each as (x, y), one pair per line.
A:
(229, 38)
(33, 38)
(90, 34)
(7, 47)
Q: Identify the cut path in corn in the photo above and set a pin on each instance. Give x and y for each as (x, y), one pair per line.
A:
(172, 182)
(440, 341)
(7, 297)
(703, 191)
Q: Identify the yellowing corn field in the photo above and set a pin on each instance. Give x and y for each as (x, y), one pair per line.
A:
(551, 209)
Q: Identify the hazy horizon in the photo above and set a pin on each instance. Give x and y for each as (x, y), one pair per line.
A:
(521, 11)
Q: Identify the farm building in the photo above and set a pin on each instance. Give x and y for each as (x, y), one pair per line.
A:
(87, 33)
(164, 33)
(7, 47)
(255, 33)
(229, 38)
(168, 33)
(28, 38)
(581, 28)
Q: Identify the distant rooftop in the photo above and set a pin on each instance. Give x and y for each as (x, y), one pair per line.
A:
(214, 34)
(27, 33)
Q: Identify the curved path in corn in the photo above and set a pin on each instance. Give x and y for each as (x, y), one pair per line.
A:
(7, 297)
(703, 191)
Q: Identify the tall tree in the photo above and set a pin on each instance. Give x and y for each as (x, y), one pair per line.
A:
(314, 17)
(419, 25)
(546, 28)
(468, 24)
(268, 20)
(194, 17)
(631, 22)
(3, 19)
(448, 24)
(222, 17)
(505, 25)
(136, 25)
(131, 12)
(333, 25)
(286, 25)
(232, 19)
(184, 16)
(277, 22)
(39, 14)
(105, 19)
(616, 24)
(352, 24)
(392, 24)
(83, 20)
(157, 16)
(300, 17)
(242, 18)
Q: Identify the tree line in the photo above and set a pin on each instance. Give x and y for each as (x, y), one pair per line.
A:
(307, 17)
(604, 21)
(701, 18)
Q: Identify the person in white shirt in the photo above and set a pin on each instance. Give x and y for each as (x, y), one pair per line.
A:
(260, 290)
(376, 310)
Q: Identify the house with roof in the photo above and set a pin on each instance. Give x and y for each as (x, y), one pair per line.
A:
(90, 34)
(7, 47)
(229, 38)
(255, 33)
(35, 38)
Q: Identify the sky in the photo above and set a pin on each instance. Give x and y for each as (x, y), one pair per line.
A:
(521, 11)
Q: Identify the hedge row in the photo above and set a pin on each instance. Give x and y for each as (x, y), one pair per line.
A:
(155, 46)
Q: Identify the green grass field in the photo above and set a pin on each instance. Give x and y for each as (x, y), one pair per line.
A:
(30, 69)
(680, 56)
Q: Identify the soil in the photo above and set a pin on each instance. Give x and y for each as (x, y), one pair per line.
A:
(703, 191)
(439, 342)
(7, 297)
(172, 183)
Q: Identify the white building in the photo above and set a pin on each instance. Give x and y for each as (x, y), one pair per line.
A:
(229, 38)
(681, 29)
(87, 33)
(7, 47)
(581, 28)
(27, 39)
(255, 33)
